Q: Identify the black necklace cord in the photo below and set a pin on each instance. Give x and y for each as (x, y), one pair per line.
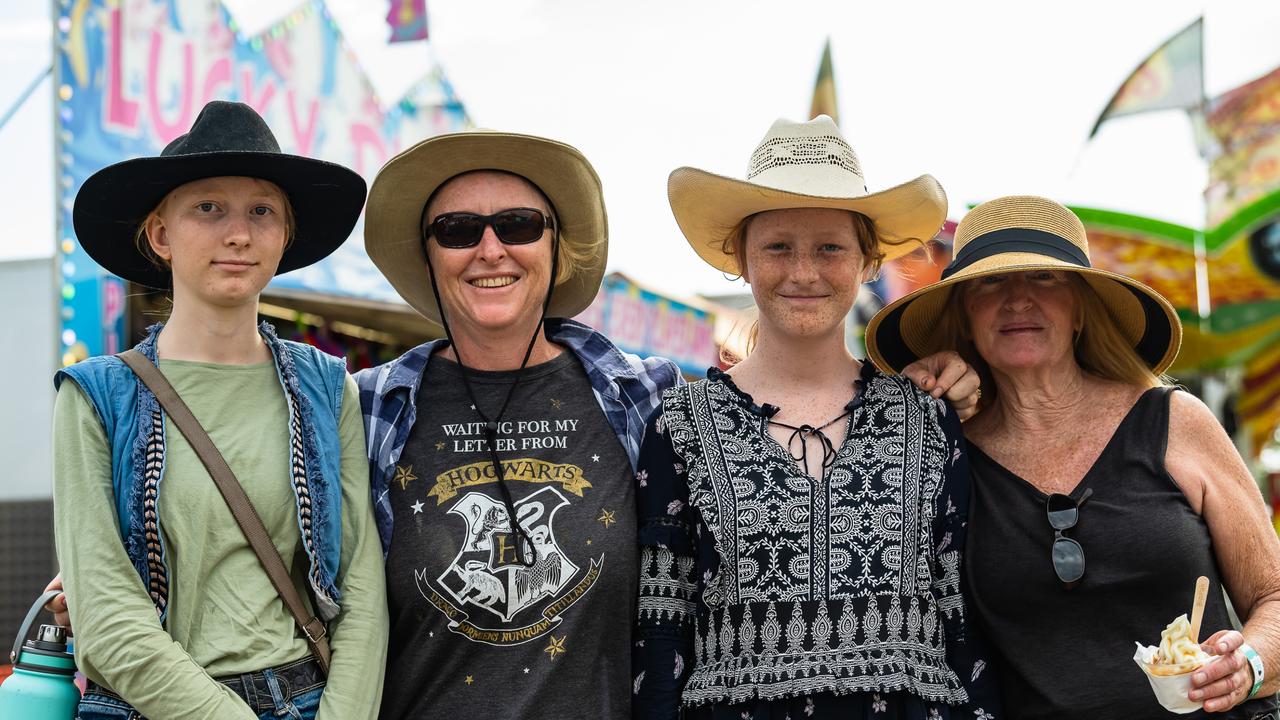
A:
(802, 433)
(491, 426)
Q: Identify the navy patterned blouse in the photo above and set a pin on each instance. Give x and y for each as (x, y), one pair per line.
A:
(767, 593)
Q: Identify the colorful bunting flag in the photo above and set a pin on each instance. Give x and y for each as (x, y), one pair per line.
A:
(1172, 77)
(408, 20)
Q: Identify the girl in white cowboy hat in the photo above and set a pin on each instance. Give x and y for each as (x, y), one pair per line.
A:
(802, 516)
(174, 614)
(1085, 451)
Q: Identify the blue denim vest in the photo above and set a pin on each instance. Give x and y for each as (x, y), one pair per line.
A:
(135, 425)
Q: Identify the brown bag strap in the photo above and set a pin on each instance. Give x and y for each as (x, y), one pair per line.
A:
(232, 492)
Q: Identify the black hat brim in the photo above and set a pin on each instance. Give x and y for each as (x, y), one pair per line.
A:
(112, 203)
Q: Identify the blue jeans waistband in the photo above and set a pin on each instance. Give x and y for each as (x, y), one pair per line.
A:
(263, 690)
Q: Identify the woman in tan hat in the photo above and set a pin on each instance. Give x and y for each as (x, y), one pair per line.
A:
(503, 455)
(1083, 451)
(802, 516)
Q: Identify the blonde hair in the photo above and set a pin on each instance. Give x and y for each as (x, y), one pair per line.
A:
(735, 245)
(143, 244)
(1100, 348)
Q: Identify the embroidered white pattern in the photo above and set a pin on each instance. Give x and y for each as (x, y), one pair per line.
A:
(858, 547)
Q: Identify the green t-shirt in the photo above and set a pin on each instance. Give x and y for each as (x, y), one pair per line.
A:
(224, 617)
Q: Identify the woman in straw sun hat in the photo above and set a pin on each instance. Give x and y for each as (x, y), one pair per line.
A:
(503, 455)
(802, 516)
(174, 615)
(1084, 451)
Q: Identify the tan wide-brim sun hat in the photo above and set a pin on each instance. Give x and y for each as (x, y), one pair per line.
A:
(1022, 233)
(801, 165)
(393, 216)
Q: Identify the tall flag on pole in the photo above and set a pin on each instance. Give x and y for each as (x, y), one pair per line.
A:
(408, 20)
(1170, 78)
(824, 90)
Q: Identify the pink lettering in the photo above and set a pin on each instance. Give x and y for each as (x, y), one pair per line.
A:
(165, 130)
(259, 101)
(704, 341)
(219, 74)
(365, 138)
(122, 113)
(626, 320)
(303, 137)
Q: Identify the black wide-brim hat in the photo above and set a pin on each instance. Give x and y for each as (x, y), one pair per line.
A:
(228, 139)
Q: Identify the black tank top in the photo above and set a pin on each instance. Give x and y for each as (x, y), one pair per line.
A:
(1069, 653)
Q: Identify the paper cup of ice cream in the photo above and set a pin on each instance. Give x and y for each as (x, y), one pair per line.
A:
(1169, 666)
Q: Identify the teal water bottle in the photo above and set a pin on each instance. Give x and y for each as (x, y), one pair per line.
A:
(42, 686)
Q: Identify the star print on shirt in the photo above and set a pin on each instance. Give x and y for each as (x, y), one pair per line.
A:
(469, 680)
(556, 646)
(404, 476)
(417, 507)
(526, 671)
(595, 458)
(606, 518)
(557, 404)
(440, 445)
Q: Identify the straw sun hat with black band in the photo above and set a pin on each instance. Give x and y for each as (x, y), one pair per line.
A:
(1018, 234)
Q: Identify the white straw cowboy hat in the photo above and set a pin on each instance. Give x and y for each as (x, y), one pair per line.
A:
(393, 234)
(1019, 234)
(801, 165)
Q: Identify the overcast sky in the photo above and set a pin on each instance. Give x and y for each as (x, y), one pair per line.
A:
(992, 98)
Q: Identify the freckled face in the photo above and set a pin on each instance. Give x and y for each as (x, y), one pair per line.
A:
(222, 237)
(805, 268)
(1022, 320)
(490, 286)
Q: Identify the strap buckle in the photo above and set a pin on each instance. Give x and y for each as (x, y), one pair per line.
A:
(315, 636)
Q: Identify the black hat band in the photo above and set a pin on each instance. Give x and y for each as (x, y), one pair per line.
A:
(1011, 240)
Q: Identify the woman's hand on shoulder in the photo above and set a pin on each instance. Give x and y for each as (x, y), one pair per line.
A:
(946, 375)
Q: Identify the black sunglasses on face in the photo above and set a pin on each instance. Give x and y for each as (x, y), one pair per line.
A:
(1063, 512)
(514, 226)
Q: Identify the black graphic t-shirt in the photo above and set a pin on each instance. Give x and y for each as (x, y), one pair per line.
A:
(475, 633)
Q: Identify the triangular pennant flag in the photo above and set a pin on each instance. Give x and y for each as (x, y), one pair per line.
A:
(824, 90)
(1172, 77)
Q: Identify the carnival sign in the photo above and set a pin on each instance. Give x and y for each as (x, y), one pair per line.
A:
(646, 323)
(131, 75)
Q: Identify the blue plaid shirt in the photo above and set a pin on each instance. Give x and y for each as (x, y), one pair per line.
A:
(627, 387)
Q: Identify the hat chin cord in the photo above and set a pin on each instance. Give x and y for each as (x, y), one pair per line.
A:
(491, 426)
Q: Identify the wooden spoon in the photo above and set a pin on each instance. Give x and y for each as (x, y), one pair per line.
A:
(1197, 608)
